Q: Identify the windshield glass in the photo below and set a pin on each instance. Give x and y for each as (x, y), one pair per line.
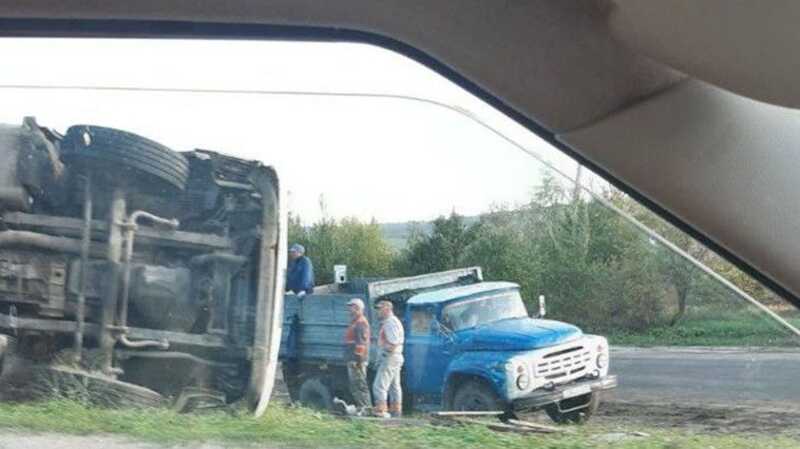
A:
(484, 310)
(192, 227)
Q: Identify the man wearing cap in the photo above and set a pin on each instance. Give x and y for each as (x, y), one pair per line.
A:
(356, 340)
(300, 272)
(386, 389)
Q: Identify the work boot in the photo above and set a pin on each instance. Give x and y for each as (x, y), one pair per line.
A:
(396, 410)
(380, 410)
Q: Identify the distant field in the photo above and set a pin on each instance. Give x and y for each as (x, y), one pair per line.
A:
(725, 329)
(397, 234)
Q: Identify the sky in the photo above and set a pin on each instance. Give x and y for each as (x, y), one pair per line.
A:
(358, 153)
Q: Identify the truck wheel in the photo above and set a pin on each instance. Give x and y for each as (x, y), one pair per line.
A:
(562, 412)
(475, 396)
(123, 154)
(315, 394)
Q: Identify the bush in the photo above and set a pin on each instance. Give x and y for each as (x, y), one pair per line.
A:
(358, 245)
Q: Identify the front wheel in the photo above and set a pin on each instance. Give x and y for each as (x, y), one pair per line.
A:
(475, 396)
(575, 410)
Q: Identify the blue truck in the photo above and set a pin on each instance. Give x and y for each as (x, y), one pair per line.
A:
(470, 346)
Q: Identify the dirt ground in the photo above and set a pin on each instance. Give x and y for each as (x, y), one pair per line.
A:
(713, 419)
(754, 418)
(613, 416)
(658, 413)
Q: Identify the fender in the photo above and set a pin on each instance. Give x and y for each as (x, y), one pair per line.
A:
(486, 365)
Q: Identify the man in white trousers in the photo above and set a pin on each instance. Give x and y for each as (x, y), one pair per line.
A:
(386, 389)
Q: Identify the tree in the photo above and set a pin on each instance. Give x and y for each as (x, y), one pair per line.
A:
(680, 273)
(441, 249)
(503, 248)
(350, 242)
(595, 268)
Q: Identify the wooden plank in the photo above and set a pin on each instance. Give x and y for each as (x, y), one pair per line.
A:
(459, 413)
(532, 425)
(501, 427)
(391, 422)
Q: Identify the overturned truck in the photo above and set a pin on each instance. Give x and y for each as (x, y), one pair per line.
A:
(135, 270)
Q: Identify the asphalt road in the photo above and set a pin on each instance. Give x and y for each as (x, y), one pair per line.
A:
(735, 376)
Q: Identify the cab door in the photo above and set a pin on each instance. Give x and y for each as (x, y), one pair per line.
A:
(426, 351)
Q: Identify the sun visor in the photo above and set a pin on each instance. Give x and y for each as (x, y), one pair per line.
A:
(724, 164)
(748, 47)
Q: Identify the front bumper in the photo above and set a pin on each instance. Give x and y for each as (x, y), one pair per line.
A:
(542, 397)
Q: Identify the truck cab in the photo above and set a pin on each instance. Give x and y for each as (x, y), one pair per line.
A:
(470, 345)
(474, 347)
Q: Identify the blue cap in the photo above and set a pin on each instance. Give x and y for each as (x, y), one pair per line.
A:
(298, 248)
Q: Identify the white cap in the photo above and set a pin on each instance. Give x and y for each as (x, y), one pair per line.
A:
(356, 302)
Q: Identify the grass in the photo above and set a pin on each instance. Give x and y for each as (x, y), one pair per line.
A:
(724, 329)
(301, 428)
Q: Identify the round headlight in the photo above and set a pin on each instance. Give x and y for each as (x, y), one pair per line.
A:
(523, 381)
(602, 361)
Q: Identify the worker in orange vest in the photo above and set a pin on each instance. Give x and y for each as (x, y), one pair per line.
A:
(357, 343)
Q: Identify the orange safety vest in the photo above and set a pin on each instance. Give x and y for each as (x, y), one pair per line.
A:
(359, 348)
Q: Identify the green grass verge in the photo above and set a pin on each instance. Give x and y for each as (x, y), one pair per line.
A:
(741, 330)
(300, 428)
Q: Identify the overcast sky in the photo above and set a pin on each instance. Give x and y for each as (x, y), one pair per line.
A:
(388, 159)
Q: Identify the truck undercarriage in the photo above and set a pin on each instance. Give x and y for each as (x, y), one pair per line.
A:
(136, 269)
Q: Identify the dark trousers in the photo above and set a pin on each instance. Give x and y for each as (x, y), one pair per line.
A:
(357, 371)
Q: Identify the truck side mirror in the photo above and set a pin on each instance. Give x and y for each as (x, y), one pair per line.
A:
(542, 307)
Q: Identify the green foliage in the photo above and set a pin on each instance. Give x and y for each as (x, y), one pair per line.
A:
(689, 282)
(502, 247)
(439, 250)
(595, 268)
(330, 242)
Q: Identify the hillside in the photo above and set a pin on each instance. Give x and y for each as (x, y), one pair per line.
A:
(397, 234)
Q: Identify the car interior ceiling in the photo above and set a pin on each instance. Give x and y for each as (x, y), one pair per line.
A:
(687, 105)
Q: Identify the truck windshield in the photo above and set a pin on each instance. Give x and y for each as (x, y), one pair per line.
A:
(484, 310)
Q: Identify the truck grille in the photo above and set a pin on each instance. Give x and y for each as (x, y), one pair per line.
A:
(563, 364)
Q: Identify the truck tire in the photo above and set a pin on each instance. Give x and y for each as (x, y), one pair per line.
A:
(314, 393)
(579, 416)
(97, 148)
(474, 396)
